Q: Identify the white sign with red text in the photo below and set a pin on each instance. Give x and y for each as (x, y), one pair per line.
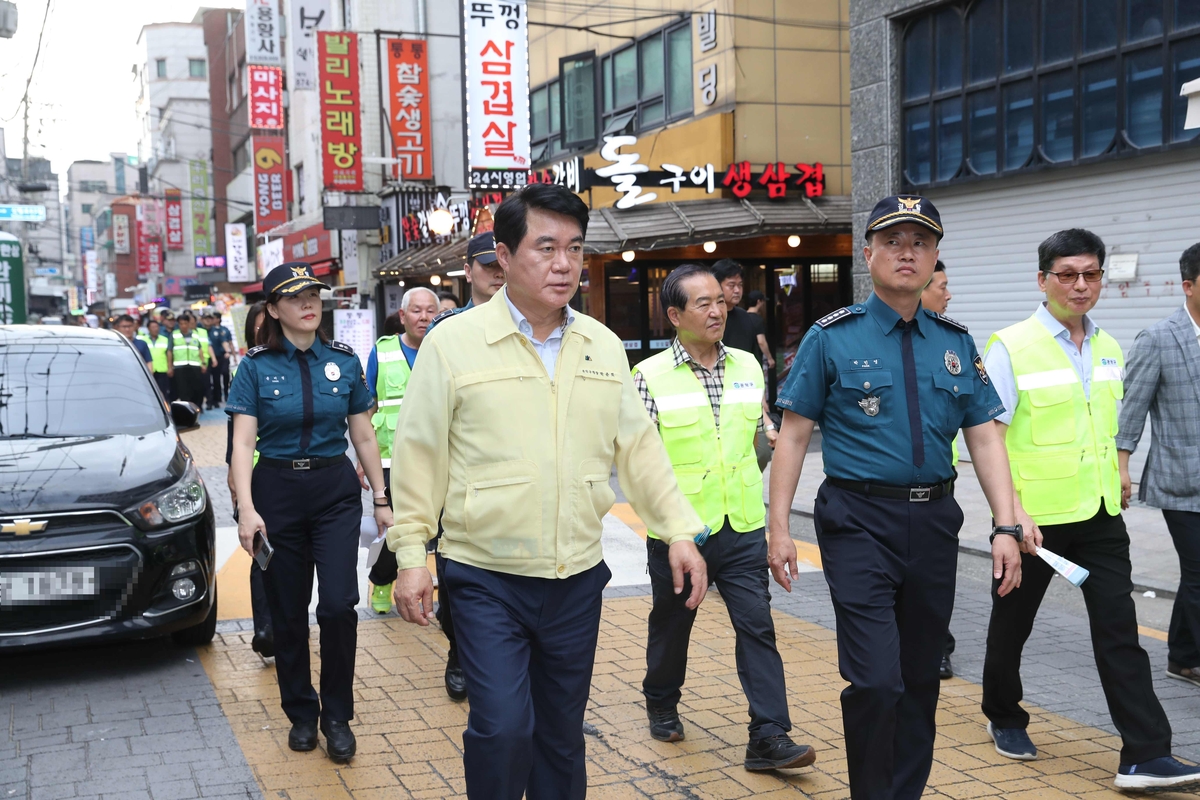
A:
(497, 48)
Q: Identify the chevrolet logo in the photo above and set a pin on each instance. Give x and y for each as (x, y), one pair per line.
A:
(24, 527)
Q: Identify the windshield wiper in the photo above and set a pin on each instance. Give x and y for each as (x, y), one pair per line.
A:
(39, 436)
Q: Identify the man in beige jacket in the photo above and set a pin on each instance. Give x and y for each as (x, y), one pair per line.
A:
(512, 421)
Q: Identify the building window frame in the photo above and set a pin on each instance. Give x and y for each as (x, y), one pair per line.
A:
(928, 148)
(160, 68)
(193, 72)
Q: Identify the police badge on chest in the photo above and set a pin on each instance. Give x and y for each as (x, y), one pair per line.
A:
(870, 405)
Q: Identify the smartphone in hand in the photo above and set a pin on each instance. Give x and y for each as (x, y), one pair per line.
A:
(262, 550)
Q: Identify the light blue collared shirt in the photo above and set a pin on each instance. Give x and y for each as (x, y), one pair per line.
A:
(999, 364)
(547, 350)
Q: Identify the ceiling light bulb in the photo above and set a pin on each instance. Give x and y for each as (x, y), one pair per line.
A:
(710, 247)
(793, 241)
(628, 255)
(441, 221)
(436, 280)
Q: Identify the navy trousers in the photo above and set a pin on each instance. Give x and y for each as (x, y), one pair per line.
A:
(891, 567)
(312, 520)
(527, 649)
(1183, 642)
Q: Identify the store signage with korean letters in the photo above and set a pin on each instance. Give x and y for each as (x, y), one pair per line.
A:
(145, 266)
(202, 241)
(404, 219)
(706, 76)
(270, 209)
(12, 280)
(236, 253)
(408, 90)
(266, 97)
(262, 33)
(341, 139)
(307, 16)
(174, 219)
(120, 226)
(496, 41)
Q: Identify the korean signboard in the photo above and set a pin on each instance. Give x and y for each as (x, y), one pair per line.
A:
(270, 256)
(404, 219)
(87, 238)
(408, 90)
(174, 219)
(262, 33)
(355, 327)
(307, 17)
(22, 213)
(142, 231)
(90, 279)
(202, 241)
(12, 280)
(496, 43)
(154, 255)
(237, 253)
(210, 262)
(341, 139)
(269, 207)
(266, 97)
(120, 226)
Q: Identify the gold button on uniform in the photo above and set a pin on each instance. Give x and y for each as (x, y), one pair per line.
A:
(561, 569)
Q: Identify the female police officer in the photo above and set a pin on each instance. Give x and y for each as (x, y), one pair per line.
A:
(295, 394)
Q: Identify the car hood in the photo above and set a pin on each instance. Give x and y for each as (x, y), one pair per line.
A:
(74, 473)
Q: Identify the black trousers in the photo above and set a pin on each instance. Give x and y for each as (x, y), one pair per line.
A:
(259, 607)
(891, 567)
(1100, 545)
(312, 520)
(1183, 641)
(528, 648)
(218, 382)
(189, 384)
(737, 564)
(164, 386)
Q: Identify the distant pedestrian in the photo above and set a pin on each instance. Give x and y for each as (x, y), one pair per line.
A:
(1163, 378)
(220, 339)
(187, 362)
(447, 301)
(127, 327)
(756, 303)
(159, 344)
(743, 330)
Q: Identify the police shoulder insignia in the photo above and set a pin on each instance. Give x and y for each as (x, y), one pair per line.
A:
(983, 376)
(345, 348)
(253, 351)
(840, 314)
(449, 312)
(953, 323)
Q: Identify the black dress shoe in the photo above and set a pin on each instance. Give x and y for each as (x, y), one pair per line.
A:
(777, 752)
(263, 643)
(456, 680)
(945, 670)
(664, 723)
(303, 736)
(339, 740)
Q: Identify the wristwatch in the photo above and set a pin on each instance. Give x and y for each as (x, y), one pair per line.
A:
(1014, 531)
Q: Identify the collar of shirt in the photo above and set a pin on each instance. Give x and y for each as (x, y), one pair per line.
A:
(1195, 325)
(886, 317)
(524, 327)
(1057, 329)
(682, 356)
(290, 350)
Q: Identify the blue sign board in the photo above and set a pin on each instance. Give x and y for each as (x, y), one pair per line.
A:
(87, 238)
(47, 272)
(21, 213)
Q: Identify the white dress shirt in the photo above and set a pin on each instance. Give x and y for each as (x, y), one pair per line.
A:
(547, 350)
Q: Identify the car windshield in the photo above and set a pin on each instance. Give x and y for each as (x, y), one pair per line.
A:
(70, 389)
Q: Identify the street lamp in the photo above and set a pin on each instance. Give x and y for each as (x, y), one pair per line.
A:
(793, 240)
(628, 256)
(441, 221)
(436, 280)
(710, 247)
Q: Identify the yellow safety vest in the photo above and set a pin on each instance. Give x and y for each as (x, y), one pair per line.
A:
(717, 470)
(190, 351)
(390, 383)
(1061, 443)
(158, 350)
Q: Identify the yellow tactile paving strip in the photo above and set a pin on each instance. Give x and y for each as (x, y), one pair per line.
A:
(410, 733)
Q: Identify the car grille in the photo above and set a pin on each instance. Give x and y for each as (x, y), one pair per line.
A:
(115, 568)
(64, 523)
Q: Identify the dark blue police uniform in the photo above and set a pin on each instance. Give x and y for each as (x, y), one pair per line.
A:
(889, 397)
(307, 492)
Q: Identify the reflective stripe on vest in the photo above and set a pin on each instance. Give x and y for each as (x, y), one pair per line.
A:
(390, 384)
(189, 351)
(1061, 442)
(716, 470)
(158, 350)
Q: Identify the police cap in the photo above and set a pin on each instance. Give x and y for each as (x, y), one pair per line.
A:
(482, 248)
(291, 278)
(905, 208)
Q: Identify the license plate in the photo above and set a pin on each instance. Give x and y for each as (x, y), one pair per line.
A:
(38, 586)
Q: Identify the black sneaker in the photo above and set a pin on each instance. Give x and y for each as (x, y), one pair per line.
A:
(777, 752)
(945, 670)
(1012, 742)
(664, 724)
(339, 740)
(456, 679)
(303, 736)
(1158, 773)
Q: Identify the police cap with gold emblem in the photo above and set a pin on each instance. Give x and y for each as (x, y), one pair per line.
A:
(905, 208)
(291, 278)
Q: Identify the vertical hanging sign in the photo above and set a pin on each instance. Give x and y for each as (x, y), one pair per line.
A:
(307, 16)
(341, 139)
(408, 88)
(266, 97)
(269, 207)
(202, 243)
(237, 261)
(262, 33)
(174, 219)
(496, 42)
(12, 280)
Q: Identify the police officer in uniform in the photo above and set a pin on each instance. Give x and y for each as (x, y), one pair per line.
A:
(706, 400)
(293, 398)
(187, 361)
(159, 345)
(890, 384)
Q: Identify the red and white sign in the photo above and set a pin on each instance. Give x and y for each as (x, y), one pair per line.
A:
(266, 97)
(408, 90)
(497, 48)
(142, 234)
(341, 139)
(154, 255)
(174, 219)
(270, 208)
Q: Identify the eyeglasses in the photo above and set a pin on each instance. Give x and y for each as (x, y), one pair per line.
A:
(1069, 278)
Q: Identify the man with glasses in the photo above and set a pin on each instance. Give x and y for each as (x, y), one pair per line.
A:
(1060, 379)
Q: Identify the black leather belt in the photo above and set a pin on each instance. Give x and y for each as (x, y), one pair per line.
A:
(913, 494)
(300, 463)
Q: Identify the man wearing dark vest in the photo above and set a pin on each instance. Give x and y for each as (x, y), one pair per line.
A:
(706, 400)
(1060, 379)
(187, 362)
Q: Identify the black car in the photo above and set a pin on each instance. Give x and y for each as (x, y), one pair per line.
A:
(106, 529)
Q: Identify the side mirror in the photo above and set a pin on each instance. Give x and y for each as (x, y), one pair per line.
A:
(184, 414)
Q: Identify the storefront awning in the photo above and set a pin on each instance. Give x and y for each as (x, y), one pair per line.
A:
(656, 226)
(423, 261)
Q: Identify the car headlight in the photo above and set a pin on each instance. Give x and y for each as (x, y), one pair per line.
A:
(184, 500)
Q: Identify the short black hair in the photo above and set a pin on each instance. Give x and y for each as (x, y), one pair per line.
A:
(510, 220)
(725, 269)
(1189, 263)
(753, 298)
(672, 294)
(448, 296)
(393, 325)
(939, 266)
(123, 319)
(186, 315)
(1071, 242)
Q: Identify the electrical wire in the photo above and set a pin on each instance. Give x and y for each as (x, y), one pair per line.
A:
(36, 54)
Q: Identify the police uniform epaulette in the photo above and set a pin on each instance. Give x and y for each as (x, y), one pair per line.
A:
(953, 323)
(449, 312)
(840, 314)
(345, 348)
(253, 351)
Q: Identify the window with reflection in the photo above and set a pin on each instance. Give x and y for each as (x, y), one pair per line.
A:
(990, 87)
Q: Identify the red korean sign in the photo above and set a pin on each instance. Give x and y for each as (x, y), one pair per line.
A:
(774, 178)
(341, 139)
(174, 219)
(270, 207)
(142, 235)
(266, 97)
(408, 90)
